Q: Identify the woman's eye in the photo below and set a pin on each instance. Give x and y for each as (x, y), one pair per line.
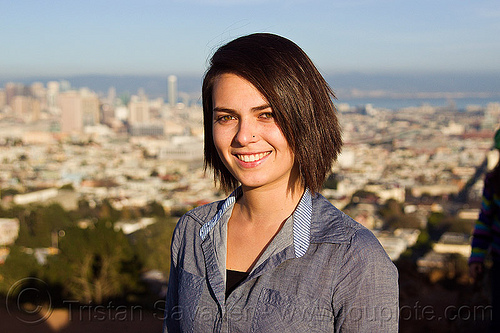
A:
(267, 115)
(224, 118)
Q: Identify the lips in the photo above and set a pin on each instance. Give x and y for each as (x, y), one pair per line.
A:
(248, 158)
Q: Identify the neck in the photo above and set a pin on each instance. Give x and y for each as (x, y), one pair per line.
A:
(269, 204)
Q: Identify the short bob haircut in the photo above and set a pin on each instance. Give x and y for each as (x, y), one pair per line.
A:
(301, 100)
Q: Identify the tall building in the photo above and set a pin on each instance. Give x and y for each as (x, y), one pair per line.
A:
(111, 96)
(71, 112)
(491, 116)
(65, 85)
(3, 98)
(78, 109)
(142, 94)
(38, 90)
(139, 111)
(10, 92)
(21, 105)
(90, 108)
(172, 90)
(26, 107)
(53, 89)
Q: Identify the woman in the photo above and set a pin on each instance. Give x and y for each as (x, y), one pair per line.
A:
(487, 236)
(275, 255)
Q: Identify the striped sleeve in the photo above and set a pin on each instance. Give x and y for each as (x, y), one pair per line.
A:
(483, 229)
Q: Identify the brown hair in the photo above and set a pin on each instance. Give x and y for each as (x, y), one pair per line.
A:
(494, 174)
(301, 100)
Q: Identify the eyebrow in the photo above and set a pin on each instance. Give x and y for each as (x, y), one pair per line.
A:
(254, 109)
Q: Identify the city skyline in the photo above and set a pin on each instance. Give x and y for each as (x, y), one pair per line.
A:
(381, 90)
(55, 38)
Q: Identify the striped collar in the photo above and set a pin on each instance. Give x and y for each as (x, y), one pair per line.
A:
(301, 220)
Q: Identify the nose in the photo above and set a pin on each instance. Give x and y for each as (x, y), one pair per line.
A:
(246, 133)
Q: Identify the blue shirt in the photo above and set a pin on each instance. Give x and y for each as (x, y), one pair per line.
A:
(322, 272)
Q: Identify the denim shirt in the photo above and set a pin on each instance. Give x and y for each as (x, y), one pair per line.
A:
(322, 272)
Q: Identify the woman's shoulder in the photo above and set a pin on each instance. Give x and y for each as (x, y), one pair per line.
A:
(189, 224)
(331, 224)
(202, 214)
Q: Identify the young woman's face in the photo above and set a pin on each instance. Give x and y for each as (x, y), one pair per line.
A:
(246, 136)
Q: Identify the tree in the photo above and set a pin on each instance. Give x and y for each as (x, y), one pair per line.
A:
(364, 196)
(391, 208)
(17, 266)
(153, 244)
(37, 223)
(68, 187)
(8, 192)
(331, 182)
(107, 212)
(95, 264)
(155, 209)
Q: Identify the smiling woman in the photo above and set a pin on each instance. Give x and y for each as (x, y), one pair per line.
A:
(275, 255)
(246, 136)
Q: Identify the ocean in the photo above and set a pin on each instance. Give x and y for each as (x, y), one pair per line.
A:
(399, 103)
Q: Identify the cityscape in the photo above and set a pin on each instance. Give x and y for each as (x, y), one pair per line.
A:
(413, 175)
(101, 147)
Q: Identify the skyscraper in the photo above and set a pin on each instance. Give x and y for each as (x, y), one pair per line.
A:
(139, 111)
(71, 112)
(10, 92)
(53, 88)
(38, 90)
(172, 90)
(78, 109)
(3, 98)
(111, 96)
(26, 107)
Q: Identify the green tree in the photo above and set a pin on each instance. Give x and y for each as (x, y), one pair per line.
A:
(68, 187)
(438, 223)
(331, 182)
(17, 266)
(107, 212)
(37, 223)
(8, 192)
(95, 264)
(153, 244)
(155, 209)
(363, 196)
(394, 217)
(391, 208)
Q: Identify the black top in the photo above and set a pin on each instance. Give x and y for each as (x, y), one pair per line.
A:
(233, 280)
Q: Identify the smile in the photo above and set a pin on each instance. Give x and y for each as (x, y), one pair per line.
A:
(252, 157)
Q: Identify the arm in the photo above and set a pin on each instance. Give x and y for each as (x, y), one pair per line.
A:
(171, 325)
(482, 236)
(368, 293)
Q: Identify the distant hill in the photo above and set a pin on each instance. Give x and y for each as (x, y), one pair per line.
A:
(153, 85)
(156, 85)
(424, 82)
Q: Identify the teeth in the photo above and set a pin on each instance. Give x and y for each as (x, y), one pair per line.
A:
(252, 158)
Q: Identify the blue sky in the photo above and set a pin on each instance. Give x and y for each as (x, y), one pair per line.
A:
(40, 38)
